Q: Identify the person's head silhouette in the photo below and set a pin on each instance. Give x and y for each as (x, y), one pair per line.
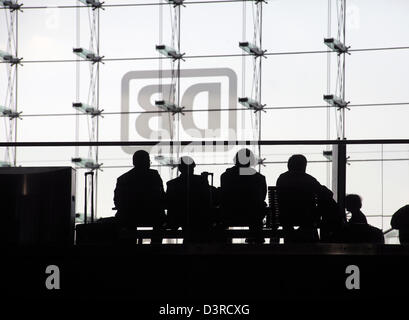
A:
(186, 165)
(244, 158)
(141, 160)
(297, 163)
(353, 202)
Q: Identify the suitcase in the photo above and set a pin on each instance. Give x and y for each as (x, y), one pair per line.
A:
(102, 232)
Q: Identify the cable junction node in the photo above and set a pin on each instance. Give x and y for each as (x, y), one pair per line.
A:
(8, 57)
(252, 104)
(336, 45)
(167, 161)
(252, 49)
(6, 112)
(86, 163)
(260, 161)
(12, 5)
(94, 112)
(170, 52)
(93, 3)
(336, 101)
(176, 3)
(169, 107)
(88, 55)
(327, 154)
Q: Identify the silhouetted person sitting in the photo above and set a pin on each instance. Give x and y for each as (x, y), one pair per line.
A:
(297, 199)
(188, 203)
(400, 221)
(357, 230)
(243, 191)
(139, 196)
(332, 220)
(353, 204)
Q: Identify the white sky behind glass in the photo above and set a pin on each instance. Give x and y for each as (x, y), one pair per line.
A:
(288, 80)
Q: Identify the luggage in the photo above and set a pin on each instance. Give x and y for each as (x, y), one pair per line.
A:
(102, 232)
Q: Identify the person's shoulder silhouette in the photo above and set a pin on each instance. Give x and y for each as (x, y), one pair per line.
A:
(361, 233)
(297, 192)
(296, 178)
(139, 194)
(400, 221)
(357, 230)
(188, 201)
(242, 194)
(241, 185)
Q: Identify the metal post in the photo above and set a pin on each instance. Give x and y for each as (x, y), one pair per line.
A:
(85, 200)
(92, 195)
(339, 161)
(16, 93)
(90, 173)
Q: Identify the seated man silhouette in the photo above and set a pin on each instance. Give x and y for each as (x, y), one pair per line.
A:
(297, 200)
(139, 196)
(353, 204)
(188, 203)
(243, 191)
(400, 221)
(357, 230)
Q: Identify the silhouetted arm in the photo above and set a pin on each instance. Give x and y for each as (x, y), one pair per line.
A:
(264, 188)
(160, 189)
(118, 195)
(223, 192)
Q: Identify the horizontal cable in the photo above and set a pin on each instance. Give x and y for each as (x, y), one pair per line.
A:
(166, 58)
(215, 55)
(379, 49)
(220, 163)
(131, 4)
(265, 163)
(219, 110)
(201, 143)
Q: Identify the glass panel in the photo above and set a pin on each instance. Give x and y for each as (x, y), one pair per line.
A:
(364, 29)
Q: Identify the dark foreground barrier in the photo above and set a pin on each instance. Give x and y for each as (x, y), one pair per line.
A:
(217, 273)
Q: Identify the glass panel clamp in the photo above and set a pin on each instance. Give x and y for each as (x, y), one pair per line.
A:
(252, 49)
(86, 163)
(87, 55)
(336, 45)
(93, 3)
(8, 57)
(176, 3)
(169, 52)
(327, 154)
(252, 104)
(87, 109)
(5, 112)
(11, 4)
(166, 161)
(169, 107)
(336, 101)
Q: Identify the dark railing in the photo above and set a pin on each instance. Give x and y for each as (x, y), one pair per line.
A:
(201, 143)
